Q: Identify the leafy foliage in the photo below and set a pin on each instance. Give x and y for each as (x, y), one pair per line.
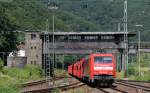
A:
(12, 78)
(6, 26)
(133, 70)
(106, 14)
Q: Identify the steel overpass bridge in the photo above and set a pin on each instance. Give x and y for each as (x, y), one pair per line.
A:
(83, 42)
(75, 43)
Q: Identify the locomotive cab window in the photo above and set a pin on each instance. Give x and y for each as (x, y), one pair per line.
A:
(99, 59)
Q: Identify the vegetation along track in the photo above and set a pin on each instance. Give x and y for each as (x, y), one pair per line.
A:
(135, 84)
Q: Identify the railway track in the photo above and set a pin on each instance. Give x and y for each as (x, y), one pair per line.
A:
(42, 81)
(134, 81)
(139, 83)
(121, 86)
(62, 87)
(111, 90)
(43, 86)
(135, 85)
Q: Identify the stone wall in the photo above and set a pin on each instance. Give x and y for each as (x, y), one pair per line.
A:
(19, 62)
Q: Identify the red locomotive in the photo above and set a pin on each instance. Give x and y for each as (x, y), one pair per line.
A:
(96, 69)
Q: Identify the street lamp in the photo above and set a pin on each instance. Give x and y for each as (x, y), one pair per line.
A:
(139, 44)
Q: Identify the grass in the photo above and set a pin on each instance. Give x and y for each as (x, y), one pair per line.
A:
(8, 84)
(60, 72)
(12, 78)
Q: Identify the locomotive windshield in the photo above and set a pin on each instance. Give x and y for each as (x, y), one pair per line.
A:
(99, 59)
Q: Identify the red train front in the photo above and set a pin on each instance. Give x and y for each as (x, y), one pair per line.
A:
(96, 68)
(101, 68)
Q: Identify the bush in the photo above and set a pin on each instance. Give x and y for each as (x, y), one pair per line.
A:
(9, 88)
(1, 64)
(8, 84)
(132, 70)
(146, 77)
(12, 78)
(29, 72)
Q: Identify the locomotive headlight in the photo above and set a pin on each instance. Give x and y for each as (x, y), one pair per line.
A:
(103, 68)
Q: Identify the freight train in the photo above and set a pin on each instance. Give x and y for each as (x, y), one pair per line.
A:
(95, 69)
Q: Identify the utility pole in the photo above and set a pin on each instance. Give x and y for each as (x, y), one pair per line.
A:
(53, 46)
(139, 44)
(139, 36)
(125, 64)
